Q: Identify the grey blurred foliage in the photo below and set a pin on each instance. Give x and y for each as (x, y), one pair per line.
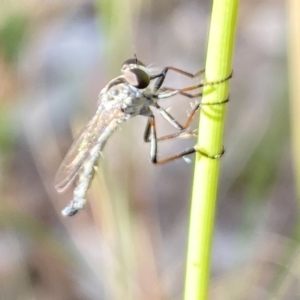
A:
(129, 242)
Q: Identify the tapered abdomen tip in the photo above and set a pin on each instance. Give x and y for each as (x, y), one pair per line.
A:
(69, 211)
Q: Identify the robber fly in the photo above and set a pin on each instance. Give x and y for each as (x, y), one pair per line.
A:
(121, 99)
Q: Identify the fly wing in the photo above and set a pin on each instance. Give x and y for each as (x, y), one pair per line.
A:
(82, 145)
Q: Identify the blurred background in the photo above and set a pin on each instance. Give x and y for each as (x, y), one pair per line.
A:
(130, 240)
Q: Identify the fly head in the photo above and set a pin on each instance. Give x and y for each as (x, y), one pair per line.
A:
(135, 73)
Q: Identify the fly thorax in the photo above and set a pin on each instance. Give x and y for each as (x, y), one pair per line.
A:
(118, 92)
(113, 93)
(148, 94)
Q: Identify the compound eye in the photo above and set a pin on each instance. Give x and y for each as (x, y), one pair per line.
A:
(137, 78)
(132, 62)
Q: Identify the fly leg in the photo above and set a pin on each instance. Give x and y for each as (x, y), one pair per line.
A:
(202, 84)
(184, 91)
(184, 128)
(161, 76)
(150, 136)
(168, 117)
(184, 132)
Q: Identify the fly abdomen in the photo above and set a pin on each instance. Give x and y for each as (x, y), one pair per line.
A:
(85, 177)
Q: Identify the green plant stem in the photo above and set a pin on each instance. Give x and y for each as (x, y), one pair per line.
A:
(211, 128)
(293, 8)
